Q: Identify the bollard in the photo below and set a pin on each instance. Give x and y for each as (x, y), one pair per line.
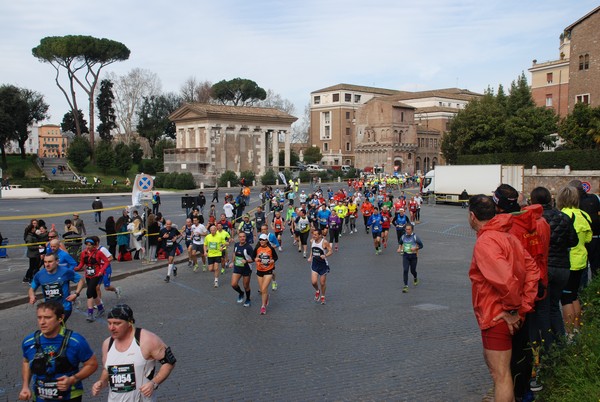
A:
(201, 185)
(253, 183)
(228, 184)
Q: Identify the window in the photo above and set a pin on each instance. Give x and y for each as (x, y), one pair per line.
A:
(317, 100)
(327, 132)
(356, 98)
(409, 156)
(348, 146)
(325, 146)
(549, 78)
(583, 99)
(347, 115)
(549, 100)
(584, 62)
(401, 116)
(326, 117)
(335, 97)
(347, 130)
(347, 97)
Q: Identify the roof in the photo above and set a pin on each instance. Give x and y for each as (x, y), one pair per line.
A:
(447, 93)
(204, 110)
(360, 88)
(394, 103)
(579, 21)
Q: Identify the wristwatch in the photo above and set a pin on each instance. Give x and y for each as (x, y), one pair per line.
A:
(154, 384)
(513, 312)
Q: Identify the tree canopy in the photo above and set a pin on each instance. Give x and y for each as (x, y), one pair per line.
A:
(238, 92)
(106, 111)
(500, 123)
(82, 57)
(153, 118)
(70, 124)
(581, 128)
(312, 154)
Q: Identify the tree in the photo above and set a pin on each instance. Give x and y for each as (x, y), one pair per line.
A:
(276, 101)
(312, 155)
(238, 92)
(83, 57)
(301, 127)
(12, 105)
(130, 91)
(580, 128)
(293, 157)
(194, 91)
(105, 156)
(70, 124)
(36, 111)
(78, 152)
(154, 123)
(137, 153)
(159, 149)
(123, 160)
(106, 111)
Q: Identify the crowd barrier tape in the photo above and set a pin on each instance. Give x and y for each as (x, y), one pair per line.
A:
(87, 211)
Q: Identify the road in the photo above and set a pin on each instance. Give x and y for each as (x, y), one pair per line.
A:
(370, 342)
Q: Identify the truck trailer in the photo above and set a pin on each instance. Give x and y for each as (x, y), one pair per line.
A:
(447, 183)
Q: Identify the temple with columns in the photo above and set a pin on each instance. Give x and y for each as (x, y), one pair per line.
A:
(214, 138)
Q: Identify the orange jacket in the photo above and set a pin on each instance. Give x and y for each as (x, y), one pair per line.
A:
(366, 209)
(503, 275)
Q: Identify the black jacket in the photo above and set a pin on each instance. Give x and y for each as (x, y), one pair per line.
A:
(562, 237)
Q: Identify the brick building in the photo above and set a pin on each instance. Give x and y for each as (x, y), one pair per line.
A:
(52, 142)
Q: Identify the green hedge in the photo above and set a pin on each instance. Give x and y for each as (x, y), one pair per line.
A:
(180, 181)
(572, 372)
(65, 187)
(588, 159)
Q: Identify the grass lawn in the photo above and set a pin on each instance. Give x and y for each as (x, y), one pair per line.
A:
(91, 171)
(18, 165)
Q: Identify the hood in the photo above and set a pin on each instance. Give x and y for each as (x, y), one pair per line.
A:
(499, 223)
(527, 217)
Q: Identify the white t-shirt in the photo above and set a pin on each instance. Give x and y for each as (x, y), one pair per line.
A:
(198, 233)
(228, 210)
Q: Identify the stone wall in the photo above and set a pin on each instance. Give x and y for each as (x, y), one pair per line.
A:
(554, 179)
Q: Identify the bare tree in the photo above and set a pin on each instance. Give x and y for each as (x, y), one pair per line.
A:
(194, 91)
(300, 129)
(130, 91)
(276, 101)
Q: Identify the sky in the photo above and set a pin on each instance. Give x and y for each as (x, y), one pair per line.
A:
(295, 47)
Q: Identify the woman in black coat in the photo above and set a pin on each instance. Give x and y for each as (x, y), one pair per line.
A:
(111, 239)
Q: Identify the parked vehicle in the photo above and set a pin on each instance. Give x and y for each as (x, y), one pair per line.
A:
(448, 182)
(314, 168)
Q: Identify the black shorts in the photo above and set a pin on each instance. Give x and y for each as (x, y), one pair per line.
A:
(304, 238)
(264, 273)
(199, 248)
(244, 271)
(320, 266)
(214, 260)
(376, 234)
(385, 230)
(171, 252)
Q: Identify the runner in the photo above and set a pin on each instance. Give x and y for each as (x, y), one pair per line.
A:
(187, 235)
(274, 243)
(198, 231)
(366, 209)
(352, 214)
(95, 263)
(302, 225)
(225, 240)
(400, 221)
(259, 218)
(409, 247)
(243, 257)
(278, 225)
(375, 223)
(213, 248)
(168, 237)
(265, 257)
(334, 223)
(107, 273)
(51, 358)
(385, 224)
(247, 227)
(320, 249)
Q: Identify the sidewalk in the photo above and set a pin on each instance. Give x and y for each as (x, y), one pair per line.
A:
(25, 193)
(13, 292)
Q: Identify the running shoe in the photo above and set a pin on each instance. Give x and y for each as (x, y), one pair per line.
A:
(118, 292)
(100, 313)
(263, 310)
(203, 267)
(195, 267)
(222, 270)
(299, 250)
(376, 251)
(415, 282)
(174, 270)
(322, 299)
(535, 385)
(274, 285)
(90, 317)
(247, 303)
(405, 289)
(168, 279)
(317, 295)
(280, 249)
(189, 263)
(336, 248)
(216, 283)
(240, 299)
(304, 254)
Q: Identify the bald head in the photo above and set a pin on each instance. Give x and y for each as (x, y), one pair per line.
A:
(55, 245)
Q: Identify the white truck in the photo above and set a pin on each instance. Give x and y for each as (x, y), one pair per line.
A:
(446, 183)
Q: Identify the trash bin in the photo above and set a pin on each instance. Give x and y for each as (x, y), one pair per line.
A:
(3, 250)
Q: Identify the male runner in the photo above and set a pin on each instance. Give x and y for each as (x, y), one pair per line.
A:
(243, 256)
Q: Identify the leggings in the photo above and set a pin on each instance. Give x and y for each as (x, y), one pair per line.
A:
(92, 283)
(334, 235)
(409, 261)
(352, 220)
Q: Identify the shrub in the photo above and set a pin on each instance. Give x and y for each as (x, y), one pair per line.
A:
(170, 180)
(228, 176)
(268, 179)
(185, 181)
(18, 172)
(159, 180)
(148, 166)
(249, 176)
(305, 177)
(351, 174)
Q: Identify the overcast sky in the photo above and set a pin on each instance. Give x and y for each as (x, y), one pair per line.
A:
(295, 47)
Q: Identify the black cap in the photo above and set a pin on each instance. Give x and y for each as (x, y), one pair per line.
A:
(122, 312)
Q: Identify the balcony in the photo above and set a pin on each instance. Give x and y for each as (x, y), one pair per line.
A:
(187, 155)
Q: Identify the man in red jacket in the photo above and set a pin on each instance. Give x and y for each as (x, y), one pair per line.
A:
(504, 281)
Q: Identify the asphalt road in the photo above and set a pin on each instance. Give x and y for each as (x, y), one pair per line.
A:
(370, 342)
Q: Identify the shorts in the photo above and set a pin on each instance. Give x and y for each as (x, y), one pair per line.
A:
(278, 234)
(214, 260)
(244, 271)
(322, 226)
(384, 230)
(304, 238)
(263, 273)
(296, 233)
(171, 252)
(199, 248)
(376, 234)
(320, 266)
(497, 337)
(106, 277)
(570, 292)
(188, 243)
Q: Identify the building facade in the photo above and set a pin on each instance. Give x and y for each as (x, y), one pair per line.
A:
(52, 142)
(214, 138)
(31, 145)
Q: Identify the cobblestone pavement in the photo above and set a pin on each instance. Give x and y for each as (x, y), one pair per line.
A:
(370, 342)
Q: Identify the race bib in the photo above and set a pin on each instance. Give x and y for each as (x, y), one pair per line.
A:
(407, 247)
(47, 390)
(376, 228)
(169, 243)
(52, 291)
(213, 246)
(90, 271)
(264, 259)
(196, 238)
(122, 378)
(302, 225)
(239, 261)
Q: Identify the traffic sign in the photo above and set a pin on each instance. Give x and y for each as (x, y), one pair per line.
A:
(587, 187)
(145, 183)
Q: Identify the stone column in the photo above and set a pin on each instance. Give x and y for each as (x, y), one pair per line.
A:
(262, 149)
(287, 157)
(275, 139)
(197, 135)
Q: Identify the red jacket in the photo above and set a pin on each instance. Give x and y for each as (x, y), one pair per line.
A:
(94, 263)
(503, 275)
